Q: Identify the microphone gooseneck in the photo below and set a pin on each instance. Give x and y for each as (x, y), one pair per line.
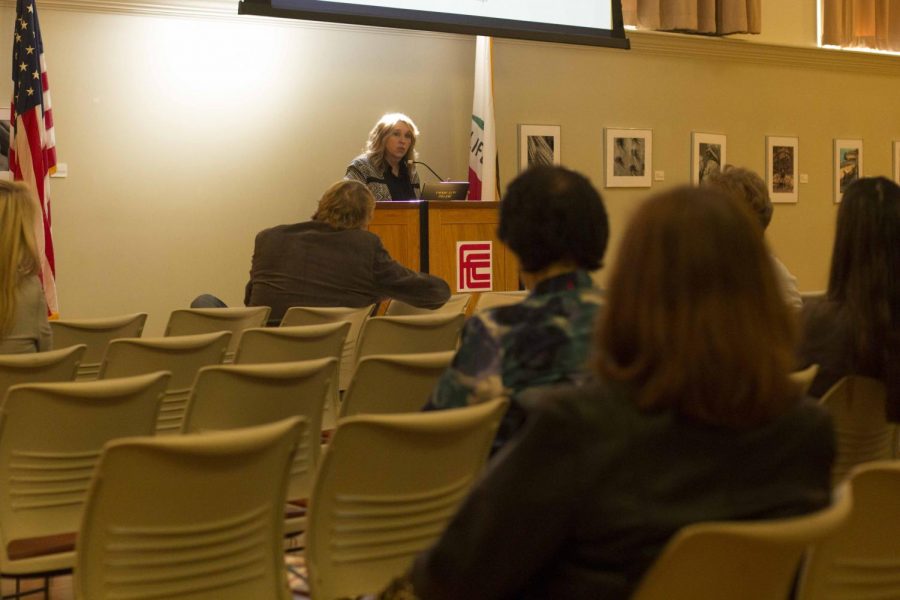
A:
(419, 162)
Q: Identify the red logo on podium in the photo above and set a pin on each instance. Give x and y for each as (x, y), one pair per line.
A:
(473, 266)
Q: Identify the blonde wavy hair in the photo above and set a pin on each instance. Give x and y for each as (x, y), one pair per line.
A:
(18, 249)
(346, 204)
(378, 136)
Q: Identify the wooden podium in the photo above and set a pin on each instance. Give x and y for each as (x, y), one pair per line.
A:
(423, 235)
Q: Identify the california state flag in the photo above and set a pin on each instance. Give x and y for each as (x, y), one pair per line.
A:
(482, 140)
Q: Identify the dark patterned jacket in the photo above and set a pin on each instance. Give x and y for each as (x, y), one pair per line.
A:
(360, 169)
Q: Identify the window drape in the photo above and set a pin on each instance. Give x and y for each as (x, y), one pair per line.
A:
(712, 17)
(871, 24)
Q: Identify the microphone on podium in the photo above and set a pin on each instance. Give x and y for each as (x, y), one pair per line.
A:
(419, 162)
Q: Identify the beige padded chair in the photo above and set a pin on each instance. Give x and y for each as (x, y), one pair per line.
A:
(95, 334)
(234, 396)
(39, 367)
(813, 295)
(182, 356)
(863, 559)
(393, 383)
(805, 377)
(51, 435)
(191, 321)
(409, 335)
(493, 299)
(458, 303)
(863, 434)
(387, 486)
(320, 315)
(194, 517)
(739, 560)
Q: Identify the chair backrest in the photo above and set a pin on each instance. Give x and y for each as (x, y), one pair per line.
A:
(812, 295)
(386, 488)
(863, 433)
(51, 435)
(457, 303)
(805, 377)
(393, 383)
(191, 321)
(739, 560)
(234, 396)
(39, 367)
(195, 516)
(488, 300)
(95, 334)
(320, 315)
(409, 335)
(862, 559)
(182, 356)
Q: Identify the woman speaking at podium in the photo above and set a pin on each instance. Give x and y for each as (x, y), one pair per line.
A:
(384, 165)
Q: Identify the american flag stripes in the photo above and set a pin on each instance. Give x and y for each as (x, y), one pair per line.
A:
(32, 145)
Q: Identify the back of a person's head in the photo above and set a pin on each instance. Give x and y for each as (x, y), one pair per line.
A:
(346, 204)
(745, 186)
(552, 214)
(18, 250)
(865, 264)
(694, 319)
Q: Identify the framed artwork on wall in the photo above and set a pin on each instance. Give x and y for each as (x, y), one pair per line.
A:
(897, 161)
(5, 131)
(539, 145)
(707, 155)
(848, 165)
(782, 168)
(629, 157)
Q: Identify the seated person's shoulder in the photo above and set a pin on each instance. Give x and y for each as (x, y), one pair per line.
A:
(592, 404)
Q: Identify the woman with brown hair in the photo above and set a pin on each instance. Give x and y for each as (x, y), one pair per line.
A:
(855, 329)
(693, 417)
(23, 308)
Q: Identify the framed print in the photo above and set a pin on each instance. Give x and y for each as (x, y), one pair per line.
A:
(538, 145)
(782, 164)
(629, 157)
(707, 155)
(5, 131)
(897, 161)
(848, 165)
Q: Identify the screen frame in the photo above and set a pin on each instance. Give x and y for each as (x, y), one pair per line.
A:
(355, 14)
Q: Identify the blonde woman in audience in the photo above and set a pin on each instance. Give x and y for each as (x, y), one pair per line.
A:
(692, 417)
(384, 166)
(855, 329)
(23, 308)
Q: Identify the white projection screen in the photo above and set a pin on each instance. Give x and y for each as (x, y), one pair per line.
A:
(589, 22)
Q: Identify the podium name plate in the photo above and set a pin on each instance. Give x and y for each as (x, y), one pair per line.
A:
(445, 190)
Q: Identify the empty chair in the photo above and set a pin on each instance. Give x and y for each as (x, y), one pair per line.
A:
(51, 435)
(409, 335)
(319, 315)
(182, 356)
(393, 383)
(386, 488)
(95, 334)
(191, 321)
(805, 377)
(39, 367)
(814, 295)
(863, 433)
(488, 300)
(195, 516)
(862, 560)
(458, 303)
(739, 560)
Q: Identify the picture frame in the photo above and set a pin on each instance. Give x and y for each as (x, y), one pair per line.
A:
(848, 165)
(896, 145)
(783, 168)
(539, 145)
(628, 157)
(5, 130)
(708, 154)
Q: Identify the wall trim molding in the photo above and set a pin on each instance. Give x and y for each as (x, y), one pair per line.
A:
(652, 43)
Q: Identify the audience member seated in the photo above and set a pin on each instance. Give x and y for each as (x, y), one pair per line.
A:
(855, 328)
(23, 308)
(331, 261)
(555, 223)
(692, 417)
(747, 186)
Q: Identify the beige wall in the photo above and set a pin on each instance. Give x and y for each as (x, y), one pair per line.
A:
(185, 136)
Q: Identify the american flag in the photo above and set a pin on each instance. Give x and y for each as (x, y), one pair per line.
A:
(32, 145)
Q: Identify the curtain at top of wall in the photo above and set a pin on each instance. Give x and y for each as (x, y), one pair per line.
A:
(709, 17)
(873, 24)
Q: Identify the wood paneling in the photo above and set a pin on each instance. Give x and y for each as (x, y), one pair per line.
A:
(397, 224)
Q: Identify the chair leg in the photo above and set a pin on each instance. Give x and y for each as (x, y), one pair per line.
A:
(19, 593)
